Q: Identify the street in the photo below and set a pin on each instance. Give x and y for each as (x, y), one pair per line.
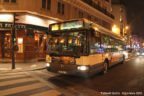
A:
(42, 42)
(127, 77)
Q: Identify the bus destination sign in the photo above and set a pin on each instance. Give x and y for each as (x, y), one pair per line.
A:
(67, 25)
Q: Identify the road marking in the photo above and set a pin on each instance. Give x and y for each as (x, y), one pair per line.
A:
(16, 78)
(10, 76)
(16, 81)
(20, 89)
(18, 84)
(24, 85)
(48, 93)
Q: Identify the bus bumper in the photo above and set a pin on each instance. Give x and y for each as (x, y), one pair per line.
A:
(68, 69)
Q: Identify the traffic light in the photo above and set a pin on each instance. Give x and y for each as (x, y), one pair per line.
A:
(16, 17)
(14, 39)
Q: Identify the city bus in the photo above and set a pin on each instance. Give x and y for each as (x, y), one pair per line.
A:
(82, 48)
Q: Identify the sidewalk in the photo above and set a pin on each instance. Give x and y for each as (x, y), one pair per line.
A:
(7, 67)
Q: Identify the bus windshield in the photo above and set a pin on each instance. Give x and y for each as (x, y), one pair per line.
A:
(67, 44)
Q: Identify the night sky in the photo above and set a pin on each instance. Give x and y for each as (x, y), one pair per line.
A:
(135, 10)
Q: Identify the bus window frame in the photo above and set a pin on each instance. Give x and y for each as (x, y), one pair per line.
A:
(70, 31)
(90, 38)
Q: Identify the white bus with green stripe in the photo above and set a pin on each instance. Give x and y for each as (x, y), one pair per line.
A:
(83, 48)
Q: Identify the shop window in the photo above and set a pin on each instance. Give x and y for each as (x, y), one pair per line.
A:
(13, 1)
(30, 33)
(40, 42)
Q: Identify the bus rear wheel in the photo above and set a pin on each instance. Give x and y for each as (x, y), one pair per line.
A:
(122, 62)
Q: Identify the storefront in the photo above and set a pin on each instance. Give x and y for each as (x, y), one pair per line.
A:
(31, 36)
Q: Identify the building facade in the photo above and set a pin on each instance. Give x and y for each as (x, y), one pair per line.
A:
(120, 12)
(34, 17)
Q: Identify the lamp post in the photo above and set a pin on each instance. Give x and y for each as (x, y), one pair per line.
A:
(13, 41)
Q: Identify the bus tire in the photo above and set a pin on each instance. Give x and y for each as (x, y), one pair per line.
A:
(122, 62)
(47, 69)
(105, 67)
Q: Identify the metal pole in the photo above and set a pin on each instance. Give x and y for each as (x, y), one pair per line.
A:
(13, 43)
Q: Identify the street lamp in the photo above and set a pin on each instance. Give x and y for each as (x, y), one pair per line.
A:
(14, 45)
(127, 27)
(115, 29)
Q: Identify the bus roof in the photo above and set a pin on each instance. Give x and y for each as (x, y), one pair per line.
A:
(82, 23)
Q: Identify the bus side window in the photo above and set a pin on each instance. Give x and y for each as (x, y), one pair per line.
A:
(106, 43)
(95, 43)
(115, 45)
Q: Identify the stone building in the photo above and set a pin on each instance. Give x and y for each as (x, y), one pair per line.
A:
(120, 13)
(34, 17)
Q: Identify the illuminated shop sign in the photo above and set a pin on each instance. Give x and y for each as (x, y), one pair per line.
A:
(71, 25)
(26, 19)
(67, 25)
(22, 26)
(6, 18)
(9, 25)
(55, 27)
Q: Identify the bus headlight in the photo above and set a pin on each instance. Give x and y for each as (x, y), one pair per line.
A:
(82, 68)
(138, 53)
(47, 64)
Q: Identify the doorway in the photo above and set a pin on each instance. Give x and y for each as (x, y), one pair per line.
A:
(5, 44)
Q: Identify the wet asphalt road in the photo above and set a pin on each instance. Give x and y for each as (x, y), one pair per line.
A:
(127, 77)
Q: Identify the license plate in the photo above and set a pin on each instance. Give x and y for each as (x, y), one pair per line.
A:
(62, 72)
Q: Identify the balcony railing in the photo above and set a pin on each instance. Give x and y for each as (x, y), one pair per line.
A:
(92, 4)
